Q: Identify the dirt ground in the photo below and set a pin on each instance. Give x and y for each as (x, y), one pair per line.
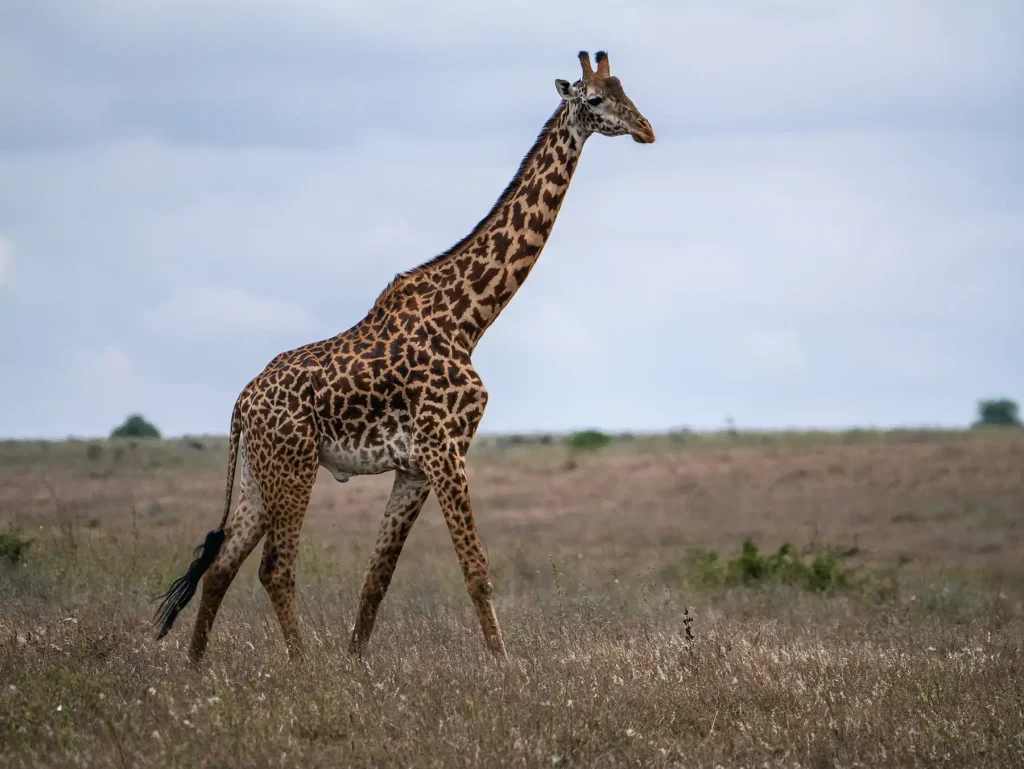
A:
(637, 636)
(955, 503)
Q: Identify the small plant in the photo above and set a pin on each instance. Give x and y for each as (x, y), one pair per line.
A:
(588, 440)
(705, 567)
(826, 572)
(13, 544)
(823, 572)
(1001, 412)
(135, 426)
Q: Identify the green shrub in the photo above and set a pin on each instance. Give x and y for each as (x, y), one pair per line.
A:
(135, 426)
(13, 544)
(588, 440)
(1001, 412)
(706, 567)
(823, 572)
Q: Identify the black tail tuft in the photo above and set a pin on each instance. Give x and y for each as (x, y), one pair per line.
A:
(181, 592)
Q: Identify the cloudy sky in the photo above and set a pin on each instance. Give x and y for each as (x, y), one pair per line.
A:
(828, 232)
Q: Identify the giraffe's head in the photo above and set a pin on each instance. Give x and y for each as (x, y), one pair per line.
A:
(599, 105)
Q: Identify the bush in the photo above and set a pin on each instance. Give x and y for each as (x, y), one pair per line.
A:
(135, 426)
(824, 572)
(588, 440)
(1001, 412)
(13, 544)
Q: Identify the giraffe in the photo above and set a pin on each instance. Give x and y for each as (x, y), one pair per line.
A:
(396, 392)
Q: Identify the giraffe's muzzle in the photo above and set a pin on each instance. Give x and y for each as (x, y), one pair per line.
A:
(644, 133)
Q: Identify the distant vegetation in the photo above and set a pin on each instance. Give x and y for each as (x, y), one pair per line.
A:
(817, 571)
(13, 544)
(1001, 412)
(588, 440)
(135, 426)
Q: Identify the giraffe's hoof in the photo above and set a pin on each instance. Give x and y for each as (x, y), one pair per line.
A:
(356, 647)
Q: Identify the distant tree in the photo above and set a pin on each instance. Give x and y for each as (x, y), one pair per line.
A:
(588, 440)
(1000, 412)
(135, 426)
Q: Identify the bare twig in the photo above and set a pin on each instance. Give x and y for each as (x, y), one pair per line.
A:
(558, 591)
(757, 635)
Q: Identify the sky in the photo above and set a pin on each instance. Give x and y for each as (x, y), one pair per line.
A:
(828, 232)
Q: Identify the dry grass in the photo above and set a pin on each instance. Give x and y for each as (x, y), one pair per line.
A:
(918, 663)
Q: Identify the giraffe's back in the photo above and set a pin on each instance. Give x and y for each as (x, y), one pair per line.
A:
(356, 385)
(375, 387)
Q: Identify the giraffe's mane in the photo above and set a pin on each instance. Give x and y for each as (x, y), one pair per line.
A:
(506, 196)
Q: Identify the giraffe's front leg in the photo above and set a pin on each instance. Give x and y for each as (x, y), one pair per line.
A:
(407, 497)
(445, 467)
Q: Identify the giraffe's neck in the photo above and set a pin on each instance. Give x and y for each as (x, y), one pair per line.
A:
(467, 287)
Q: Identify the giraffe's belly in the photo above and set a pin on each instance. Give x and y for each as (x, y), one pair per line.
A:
(343, 458)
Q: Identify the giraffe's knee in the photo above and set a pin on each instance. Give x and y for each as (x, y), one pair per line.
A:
(480, 587)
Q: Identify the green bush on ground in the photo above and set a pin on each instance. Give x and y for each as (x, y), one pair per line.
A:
(821, 571)
(13, 544)
(135, 426)
(588, 440)
(1001, 412)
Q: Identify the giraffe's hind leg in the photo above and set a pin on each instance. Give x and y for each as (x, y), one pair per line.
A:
(286, 508)
(243, 531)
(286, 486)
(284, 456)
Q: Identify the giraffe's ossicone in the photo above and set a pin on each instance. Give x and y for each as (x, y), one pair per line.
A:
(396, 392)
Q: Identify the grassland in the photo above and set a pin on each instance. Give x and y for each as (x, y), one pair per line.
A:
(641, 634)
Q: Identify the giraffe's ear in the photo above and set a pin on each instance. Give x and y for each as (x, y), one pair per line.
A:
(564, 88)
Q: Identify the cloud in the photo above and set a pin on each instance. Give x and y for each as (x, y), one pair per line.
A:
(107, 383)
(6, 261)
(300, 74)
(665, 265)
(774, 352)
(828, 230)
(204, 309)
(109, 371)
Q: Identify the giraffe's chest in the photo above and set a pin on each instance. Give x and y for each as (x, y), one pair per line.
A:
(348, 455)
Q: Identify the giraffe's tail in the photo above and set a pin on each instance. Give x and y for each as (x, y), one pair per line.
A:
(183, 588)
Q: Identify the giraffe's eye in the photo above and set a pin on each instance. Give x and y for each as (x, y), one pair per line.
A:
(593, 101)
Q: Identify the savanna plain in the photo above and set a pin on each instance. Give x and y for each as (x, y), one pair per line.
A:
(770, 600)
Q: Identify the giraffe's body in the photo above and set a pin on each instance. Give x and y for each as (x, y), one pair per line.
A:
(396, 392)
